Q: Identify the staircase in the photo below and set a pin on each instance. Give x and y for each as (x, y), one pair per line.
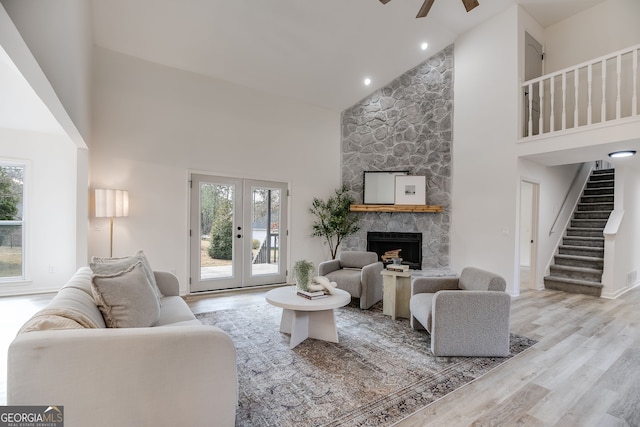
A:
(579, 262)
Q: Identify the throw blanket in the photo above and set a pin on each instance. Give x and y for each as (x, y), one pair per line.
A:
(57, 318)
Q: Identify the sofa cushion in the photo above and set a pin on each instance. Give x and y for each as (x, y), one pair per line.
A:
(139, 256)
(125, 298)
(348, 279)
(421, 306)
(175, 311)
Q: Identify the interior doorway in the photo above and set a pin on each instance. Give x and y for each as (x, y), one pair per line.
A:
(529, 200)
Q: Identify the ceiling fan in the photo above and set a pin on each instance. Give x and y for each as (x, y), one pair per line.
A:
(426, 6)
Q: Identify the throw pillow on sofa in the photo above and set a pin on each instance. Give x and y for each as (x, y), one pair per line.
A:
(124, 295)
(132, 259)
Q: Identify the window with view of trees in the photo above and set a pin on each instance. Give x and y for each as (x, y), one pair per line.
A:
(11, 221)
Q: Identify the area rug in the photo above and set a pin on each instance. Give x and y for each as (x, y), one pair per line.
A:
(380, 371)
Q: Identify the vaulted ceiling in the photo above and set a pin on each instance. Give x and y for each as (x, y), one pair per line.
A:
(318, 52)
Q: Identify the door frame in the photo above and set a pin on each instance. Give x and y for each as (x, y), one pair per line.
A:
(241, 272)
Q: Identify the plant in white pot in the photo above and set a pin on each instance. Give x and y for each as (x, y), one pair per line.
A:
(303, 272)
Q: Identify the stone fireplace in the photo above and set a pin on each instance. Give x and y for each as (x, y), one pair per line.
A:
(409, 244)
(406, 125)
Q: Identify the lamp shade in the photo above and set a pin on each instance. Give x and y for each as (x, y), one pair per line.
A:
(111, 203)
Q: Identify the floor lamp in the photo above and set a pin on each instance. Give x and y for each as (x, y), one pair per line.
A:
(111, 204)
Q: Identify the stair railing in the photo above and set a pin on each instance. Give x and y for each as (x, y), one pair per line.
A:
(580, 172)
(590, 93)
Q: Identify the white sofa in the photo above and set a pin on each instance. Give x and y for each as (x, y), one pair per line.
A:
(178, 372)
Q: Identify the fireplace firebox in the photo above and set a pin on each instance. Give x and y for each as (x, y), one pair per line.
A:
(409, 244)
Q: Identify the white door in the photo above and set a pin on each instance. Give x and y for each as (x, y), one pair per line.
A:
(529, 194)
(238, 233)
(532, 68)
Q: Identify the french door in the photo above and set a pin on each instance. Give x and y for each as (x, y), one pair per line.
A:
(238, 232)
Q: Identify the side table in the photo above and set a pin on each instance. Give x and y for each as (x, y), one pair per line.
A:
(397, 292)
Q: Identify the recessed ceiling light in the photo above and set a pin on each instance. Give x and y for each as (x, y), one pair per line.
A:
(367, 81)
(624, 153)
(424, 46)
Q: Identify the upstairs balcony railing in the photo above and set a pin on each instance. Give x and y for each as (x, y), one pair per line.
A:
(593, 93)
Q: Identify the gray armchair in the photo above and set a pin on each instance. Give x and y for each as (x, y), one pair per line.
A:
(358, 273)
(465, 316)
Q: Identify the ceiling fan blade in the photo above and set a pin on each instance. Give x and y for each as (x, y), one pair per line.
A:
(384, 1)
(426, 6)
(470, 4)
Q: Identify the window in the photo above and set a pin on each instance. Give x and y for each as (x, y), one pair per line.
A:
(11, 221)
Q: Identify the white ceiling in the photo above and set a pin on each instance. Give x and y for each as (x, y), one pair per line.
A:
(314, 51)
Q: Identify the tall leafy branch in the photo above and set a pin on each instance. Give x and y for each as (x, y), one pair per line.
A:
(333, 220)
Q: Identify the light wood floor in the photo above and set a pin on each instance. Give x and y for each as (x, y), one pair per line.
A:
(585, 370)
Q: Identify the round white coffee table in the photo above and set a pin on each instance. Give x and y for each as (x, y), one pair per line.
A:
(304, 318)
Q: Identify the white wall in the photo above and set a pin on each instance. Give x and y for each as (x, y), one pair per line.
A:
(485, 177)
(624, 246)
(51, 207)
(526, 218)
(153, 124)
(602, 29)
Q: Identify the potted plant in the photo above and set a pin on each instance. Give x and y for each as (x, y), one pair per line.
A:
(303, 272)
(334, 220)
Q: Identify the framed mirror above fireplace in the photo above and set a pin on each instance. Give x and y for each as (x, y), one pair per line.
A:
(379, 187)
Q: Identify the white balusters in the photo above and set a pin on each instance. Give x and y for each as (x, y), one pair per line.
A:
(582, 104)
(603, 107)
(634, 96)
(564, 101)
(530, 99)
(619, 82)
(576, 98)
(589, 95)
(552, 111)
(541, 107)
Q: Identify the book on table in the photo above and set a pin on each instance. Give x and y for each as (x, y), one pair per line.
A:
(398, 267)
(312, 295)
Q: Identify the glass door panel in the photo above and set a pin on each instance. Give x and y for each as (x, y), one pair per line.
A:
(238, 233)
(214, 246)
(267, 222)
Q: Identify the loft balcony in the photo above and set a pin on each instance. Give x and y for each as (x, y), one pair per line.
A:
(593, 105)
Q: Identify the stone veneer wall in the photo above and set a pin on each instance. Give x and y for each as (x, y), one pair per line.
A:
(406, 125)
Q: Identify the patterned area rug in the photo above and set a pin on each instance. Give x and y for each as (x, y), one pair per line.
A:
(380, 371)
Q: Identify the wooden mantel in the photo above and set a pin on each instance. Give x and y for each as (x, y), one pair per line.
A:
(395, 208)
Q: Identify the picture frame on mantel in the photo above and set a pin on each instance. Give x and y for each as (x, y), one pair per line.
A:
(379, 187)
(411, 190)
